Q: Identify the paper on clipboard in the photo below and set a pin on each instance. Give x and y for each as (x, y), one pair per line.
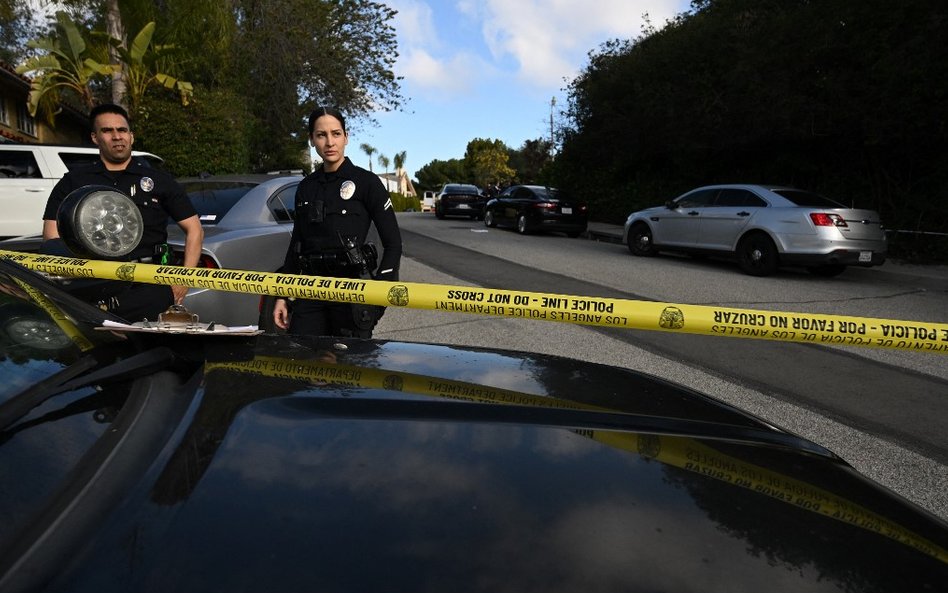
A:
(205, 329)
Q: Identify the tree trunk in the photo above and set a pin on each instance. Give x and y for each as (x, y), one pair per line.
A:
(116, 29)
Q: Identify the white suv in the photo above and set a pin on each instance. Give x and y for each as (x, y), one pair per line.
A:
(28, 173)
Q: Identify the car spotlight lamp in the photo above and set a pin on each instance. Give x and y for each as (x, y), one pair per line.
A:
(98, 221)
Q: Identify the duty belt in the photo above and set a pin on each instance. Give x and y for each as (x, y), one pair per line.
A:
(328, 262)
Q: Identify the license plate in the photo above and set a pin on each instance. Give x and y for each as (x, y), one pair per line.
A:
(865, 256)
(567, 210)
(463, 206)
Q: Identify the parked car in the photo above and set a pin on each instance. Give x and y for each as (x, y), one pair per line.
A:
(535, 208)
(28, 173)
(247, 220)
(428, 201)
(763, 227)
(156, 462)
(459, 199)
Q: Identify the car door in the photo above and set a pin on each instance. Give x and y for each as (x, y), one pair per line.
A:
(722, 223)
(24, 189)
(678, 225)
(505, 211)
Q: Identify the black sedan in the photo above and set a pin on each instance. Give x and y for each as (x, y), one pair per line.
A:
(535, 208)
(459, 199)
(163, 462)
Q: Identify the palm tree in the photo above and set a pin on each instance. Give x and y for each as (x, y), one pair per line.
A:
(384, 162)
(369, 150)
(399, 159)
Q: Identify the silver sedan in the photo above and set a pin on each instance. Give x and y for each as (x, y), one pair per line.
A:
(763, 227)
(248, 220)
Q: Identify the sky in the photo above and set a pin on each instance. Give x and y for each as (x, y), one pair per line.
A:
(491, 69)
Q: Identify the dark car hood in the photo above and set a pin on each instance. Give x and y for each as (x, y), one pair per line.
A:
(336, 465)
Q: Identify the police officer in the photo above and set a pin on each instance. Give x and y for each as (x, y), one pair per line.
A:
(157, 195)
(335, 206)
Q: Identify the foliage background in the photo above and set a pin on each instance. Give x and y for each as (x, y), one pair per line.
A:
(845, 97)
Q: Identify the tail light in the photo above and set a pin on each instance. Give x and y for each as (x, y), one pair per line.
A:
(205, 261)
(544, 206)
(825, 219)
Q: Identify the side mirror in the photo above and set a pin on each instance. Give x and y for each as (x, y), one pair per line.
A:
(100, 222)
(671, 205)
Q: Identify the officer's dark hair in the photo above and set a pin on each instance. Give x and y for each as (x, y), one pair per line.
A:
(107, 108)
(321, 111)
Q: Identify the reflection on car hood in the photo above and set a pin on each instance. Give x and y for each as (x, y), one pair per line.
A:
(346, 465)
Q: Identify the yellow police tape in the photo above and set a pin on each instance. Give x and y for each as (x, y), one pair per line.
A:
(809, 328)
(684, 453)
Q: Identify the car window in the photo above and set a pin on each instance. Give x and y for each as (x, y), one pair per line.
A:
(697, 199)
(283, 203)
(19, 164)
(78, 159)
(739, 197)
(808, 199)
(213, 199)
(524, 194)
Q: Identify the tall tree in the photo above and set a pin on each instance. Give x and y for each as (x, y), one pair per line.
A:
(295, 54)
(487, 161)
(369, 150)
(399, 160)
(384, 162)
(16, 28)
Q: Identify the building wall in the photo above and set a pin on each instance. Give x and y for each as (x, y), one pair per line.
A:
(16, 125)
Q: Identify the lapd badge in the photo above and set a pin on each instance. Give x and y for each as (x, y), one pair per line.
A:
(347, 190)
(147, 184)
(126, 272)
(393, 383)
(398, 295)
(649, 445)
(672, 318)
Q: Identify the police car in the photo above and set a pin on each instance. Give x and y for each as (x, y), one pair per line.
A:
(137, 461)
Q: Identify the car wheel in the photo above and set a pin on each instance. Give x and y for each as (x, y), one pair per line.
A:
(489, 219)
(827, 271)
(640, 240)
(522, 224)
(757, 255)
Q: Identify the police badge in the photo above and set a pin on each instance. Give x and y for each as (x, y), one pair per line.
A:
(347, 190)
(147, 184)
(672, 318)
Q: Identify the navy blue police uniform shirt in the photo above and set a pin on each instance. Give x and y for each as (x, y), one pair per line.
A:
(351, 199)
(155, 192)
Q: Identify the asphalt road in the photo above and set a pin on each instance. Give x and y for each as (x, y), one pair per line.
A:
(882, 411)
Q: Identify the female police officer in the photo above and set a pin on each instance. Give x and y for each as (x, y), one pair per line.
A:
(335, 205)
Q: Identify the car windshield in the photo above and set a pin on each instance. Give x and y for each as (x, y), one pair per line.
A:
(213, 200)
(808, 199)
(461, 189)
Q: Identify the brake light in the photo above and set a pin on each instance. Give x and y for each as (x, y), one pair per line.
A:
(206, 261)
(544, 205)
(825, 219)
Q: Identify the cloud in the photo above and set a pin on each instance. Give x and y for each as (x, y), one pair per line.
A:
(537, 42)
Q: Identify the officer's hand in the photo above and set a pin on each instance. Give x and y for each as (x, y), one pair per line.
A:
(179, 290)
(281, 314)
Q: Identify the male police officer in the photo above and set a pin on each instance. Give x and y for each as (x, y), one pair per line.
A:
(157, 196)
